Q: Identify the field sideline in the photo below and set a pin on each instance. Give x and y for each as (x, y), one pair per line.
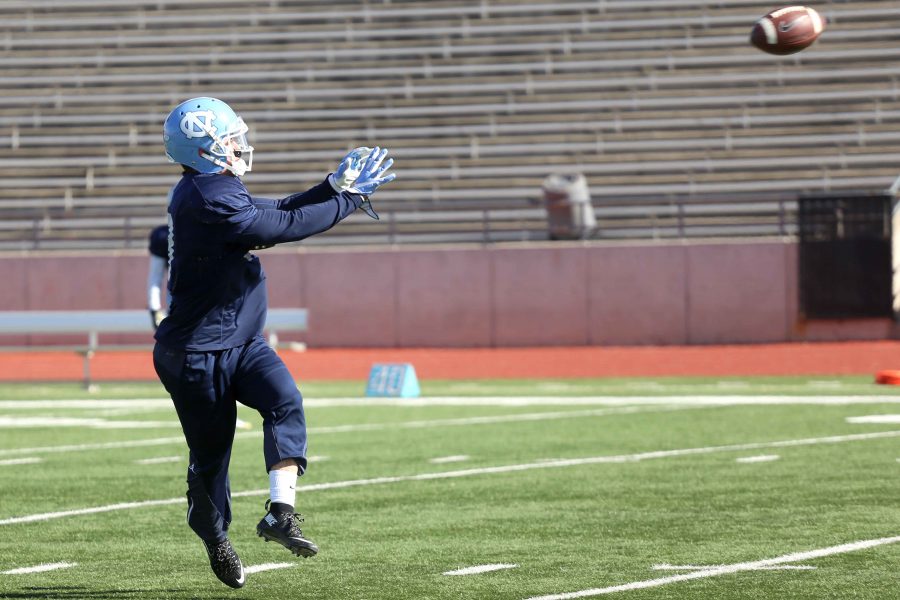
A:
(511, 489)
(347, 364)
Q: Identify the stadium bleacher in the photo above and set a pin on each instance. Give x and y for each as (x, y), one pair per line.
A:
(681, 127)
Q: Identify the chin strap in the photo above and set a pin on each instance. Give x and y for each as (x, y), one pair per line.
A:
(239, 167)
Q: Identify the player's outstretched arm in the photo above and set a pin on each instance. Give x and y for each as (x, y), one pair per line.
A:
(256, 227)
(315, 195)
(242, 219)
(361, 171)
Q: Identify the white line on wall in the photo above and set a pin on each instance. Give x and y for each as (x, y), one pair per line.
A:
(875, 419)
(480, 569)
(28, 460)
(757, 459)
(160, 460)
(668, 567)
(267, 567)
(440, 460)
(569, 462)
(39, 568)
(725, 569)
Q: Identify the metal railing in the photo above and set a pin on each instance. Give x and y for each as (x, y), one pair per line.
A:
(637, 219)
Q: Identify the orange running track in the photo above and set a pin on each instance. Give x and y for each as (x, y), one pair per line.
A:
(844, 358)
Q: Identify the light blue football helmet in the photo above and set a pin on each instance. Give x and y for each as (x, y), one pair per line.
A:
(207, 136)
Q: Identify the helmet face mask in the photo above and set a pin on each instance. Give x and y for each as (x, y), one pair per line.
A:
(206, 135)
(231, 150)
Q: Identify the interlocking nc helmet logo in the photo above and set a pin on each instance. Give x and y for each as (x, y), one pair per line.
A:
(198, 124)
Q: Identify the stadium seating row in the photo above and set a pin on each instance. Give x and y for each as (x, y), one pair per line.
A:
(681, 127)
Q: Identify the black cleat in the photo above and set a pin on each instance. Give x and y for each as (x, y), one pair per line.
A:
(225, 563)
(285, 529)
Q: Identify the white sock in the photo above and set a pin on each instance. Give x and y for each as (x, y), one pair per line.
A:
(282, 486)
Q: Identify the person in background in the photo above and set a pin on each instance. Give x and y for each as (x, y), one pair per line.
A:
(156, 275)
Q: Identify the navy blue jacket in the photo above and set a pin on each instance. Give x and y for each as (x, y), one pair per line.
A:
(216, 286)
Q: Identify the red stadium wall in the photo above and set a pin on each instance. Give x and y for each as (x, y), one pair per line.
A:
(500, 296)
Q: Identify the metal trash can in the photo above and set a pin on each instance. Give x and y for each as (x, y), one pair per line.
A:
(570, 215)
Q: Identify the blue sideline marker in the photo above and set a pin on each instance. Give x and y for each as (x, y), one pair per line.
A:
(393, 380)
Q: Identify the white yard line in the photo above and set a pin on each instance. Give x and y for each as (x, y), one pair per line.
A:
(89, 511)
(267, 567)
(711, 400)
(825, 384)
(441, 460)
(725, 569)
(644, 385)
(7, 422)
(668, 567)
(704, 400)
(757, 459)
(487, 420)
(179, 440)
(160, 460)
(28, 460)
(39, 568)
(732, 385)
(874, 419)
(544, 464)
(480, 569)
(118, 412)
(599, 412)
(89, 404)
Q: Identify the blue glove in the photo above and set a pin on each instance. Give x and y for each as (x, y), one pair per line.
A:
(370, 174)
(348, 171)
(362, 172)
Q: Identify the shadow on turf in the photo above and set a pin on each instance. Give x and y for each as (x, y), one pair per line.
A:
(69, 592)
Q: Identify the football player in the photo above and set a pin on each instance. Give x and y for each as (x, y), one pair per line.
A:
(156, 274)
(210, 351)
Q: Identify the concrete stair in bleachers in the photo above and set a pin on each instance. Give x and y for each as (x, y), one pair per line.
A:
(680, 126)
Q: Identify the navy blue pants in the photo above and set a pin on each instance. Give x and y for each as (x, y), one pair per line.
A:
(204, 387)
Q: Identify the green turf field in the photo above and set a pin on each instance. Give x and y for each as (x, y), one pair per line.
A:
(664, 488)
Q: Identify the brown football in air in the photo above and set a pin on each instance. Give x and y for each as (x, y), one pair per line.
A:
(787, 30)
